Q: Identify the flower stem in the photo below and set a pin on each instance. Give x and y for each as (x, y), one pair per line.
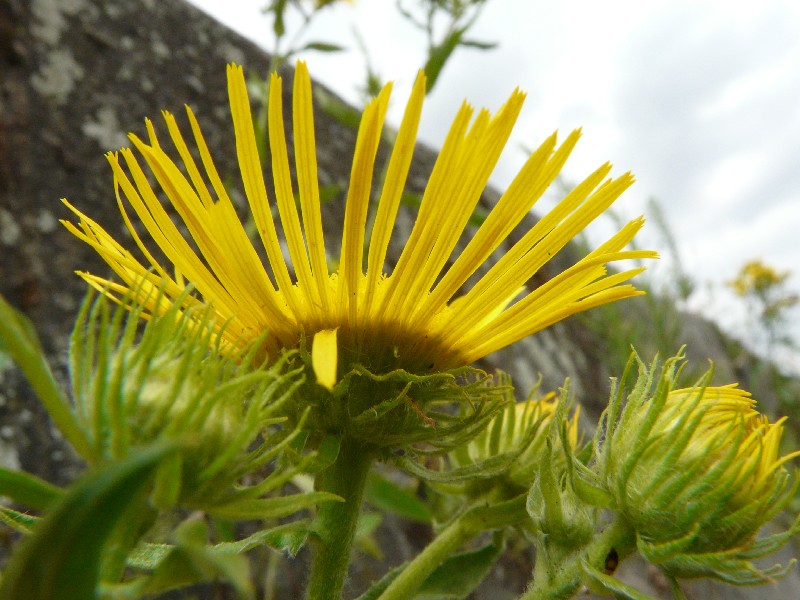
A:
(462, 529)
(564, 580)
(336, 521)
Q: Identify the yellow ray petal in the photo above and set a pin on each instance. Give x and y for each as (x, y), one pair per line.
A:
(306, 166)
(324, 357)
(412, 257)
(287, 207)
(527, 187)
(358, 194)
(396, 175)
(254, 186)
(467, 185)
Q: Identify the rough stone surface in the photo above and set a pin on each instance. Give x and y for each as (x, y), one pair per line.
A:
(75, 76)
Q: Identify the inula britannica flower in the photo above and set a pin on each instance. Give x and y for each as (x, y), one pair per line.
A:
(416, 317)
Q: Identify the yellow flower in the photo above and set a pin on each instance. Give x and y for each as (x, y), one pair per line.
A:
(417, 317)
(756, 277)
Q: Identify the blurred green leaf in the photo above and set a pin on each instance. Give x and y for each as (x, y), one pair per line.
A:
(479, 45)
(18, 339)
(326, 454)
(390, 497)
(612, 585)
(322, 47)
(411, 199)
(439, 55)
(271, 508)
(288, 538)
(459, 575)
(191, 560)
(28, 490)
(364, 540)
(61, 560)
(277, 8)
(478, 216)
(374, 592)
(328, 192)
(334, 107)
(18, 521)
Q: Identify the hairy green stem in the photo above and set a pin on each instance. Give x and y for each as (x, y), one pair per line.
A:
(336, 521)
(564, 580)
(462, 529)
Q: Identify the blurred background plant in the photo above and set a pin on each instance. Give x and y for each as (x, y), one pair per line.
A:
(764, 289)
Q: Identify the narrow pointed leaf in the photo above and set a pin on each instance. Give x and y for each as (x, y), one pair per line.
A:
(459, 575)
(613, 585)
(271, 508)
(390, 497)
(18, 340)
(61, 560)
(28, 490)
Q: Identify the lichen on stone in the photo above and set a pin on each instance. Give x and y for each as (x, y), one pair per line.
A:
(58, 76)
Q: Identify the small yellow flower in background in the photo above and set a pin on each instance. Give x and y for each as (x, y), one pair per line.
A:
(696, 472)
(416, 317)
(756, 277)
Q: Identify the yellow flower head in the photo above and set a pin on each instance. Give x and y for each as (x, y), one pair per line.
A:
(417, 317)
(758, 278)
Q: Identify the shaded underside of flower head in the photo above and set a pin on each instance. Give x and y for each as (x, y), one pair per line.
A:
(417, 317)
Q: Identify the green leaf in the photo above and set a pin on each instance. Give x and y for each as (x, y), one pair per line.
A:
(326, 454)
(288, 539)
(327, 193)
(192, 561)
(61, 560)
(28, 490)
(411, 199)
(439, 55)
(334, 107)
(492, 466)
(18, 340)
(374, 592)
(459, 575)
(148, 556)
(279, 26)
(323, 47)
(612, 585)
(390, 497)
(18, 521)
(364, 540)
(271, 508)
(479, 45)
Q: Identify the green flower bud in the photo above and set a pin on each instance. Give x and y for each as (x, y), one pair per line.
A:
(511, 448)
(170, 382)
(696, 472)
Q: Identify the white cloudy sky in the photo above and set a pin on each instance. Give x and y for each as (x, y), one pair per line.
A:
(699, 98)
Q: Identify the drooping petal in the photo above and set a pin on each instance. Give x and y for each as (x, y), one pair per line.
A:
(324, 357)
